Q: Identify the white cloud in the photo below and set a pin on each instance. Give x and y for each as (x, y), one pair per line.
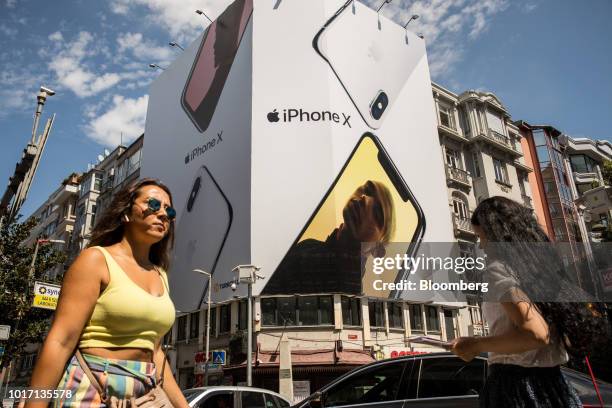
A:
(144, 50)
(124, 119)
(182, 22)
(56, 36)
(448, 25)
(11, 3)
(8, 31)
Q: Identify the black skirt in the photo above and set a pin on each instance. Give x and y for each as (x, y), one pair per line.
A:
(514, 386)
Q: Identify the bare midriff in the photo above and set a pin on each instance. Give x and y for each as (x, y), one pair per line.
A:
(121, 353)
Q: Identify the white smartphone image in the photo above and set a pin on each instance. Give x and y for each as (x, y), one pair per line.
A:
(371, 56)
(200, 236)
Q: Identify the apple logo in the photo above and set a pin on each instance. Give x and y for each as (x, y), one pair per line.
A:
(273, 116)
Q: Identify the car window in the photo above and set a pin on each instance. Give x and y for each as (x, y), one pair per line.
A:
(252, 399)
(217, 400)
(281, 403)
(190, 395)
(377, 384)
(270, 403)
(446, 377)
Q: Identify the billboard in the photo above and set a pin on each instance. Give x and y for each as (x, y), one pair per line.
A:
(299, 137)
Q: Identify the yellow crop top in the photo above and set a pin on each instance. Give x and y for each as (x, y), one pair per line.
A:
(126, 315)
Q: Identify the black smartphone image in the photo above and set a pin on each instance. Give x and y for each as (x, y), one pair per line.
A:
(368, 206)
(213, 63)
(201, 233)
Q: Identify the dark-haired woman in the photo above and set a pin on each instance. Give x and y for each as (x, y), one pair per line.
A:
(115, 307)
(524, 347)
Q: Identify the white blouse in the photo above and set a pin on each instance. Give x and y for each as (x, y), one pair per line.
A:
(500, 282)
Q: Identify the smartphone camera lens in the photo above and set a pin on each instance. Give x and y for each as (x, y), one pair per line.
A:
(194, 193)
(379, 105)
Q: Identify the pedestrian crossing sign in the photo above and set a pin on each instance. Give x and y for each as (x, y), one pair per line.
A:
(218, 357)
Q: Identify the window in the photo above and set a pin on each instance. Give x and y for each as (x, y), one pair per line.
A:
(446, 116)
(495, 122)
(298, 311)
(181, 328)
(252, 399)
(213, 321)
(583, 164)
(377, 317)
(98, 181)
(133, 162)
(460, 208)
(93, 216)
(453, 159)
(194, 325)
(243, 316)
(396, 318)
(85, 186)
(213, 400)
(373, 385)
(539, 137)
(225, 318)
(351, 311)
(268, 311)
(501, 173)
(280, 403)
(476, 164)
(416, 318)
(447, 377)
(465, 122)
(168, 338)
(121, 172)
(433, 319)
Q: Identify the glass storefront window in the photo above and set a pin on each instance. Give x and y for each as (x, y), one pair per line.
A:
(416, 318)
(351, 311)
(433, 319)
(377, 317)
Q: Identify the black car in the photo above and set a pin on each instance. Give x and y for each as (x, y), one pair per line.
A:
(428, 380)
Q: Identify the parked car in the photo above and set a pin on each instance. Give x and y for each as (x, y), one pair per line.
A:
(427, 380)
(234, 397)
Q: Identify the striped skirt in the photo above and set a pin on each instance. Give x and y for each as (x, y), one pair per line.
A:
(119, 378)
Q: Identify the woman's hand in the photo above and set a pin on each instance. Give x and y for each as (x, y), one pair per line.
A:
(466, 348)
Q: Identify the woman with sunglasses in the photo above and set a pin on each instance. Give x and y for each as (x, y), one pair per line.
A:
(115, 307)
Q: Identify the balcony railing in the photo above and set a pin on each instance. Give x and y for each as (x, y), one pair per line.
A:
(527, 201)
(463, 224)
(457, 175)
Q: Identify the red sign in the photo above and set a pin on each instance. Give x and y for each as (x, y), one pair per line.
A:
(403, 353)
(352, 337)
(200, 357)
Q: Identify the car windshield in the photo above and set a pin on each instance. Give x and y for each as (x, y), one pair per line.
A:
(190, 395)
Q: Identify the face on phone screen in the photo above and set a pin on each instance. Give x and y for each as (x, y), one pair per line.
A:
(213, 63)
(368, 206)
(200, 236)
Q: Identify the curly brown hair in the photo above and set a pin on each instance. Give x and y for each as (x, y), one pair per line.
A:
(109, 229)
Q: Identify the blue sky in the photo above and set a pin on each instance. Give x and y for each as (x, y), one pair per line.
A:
(549, 62)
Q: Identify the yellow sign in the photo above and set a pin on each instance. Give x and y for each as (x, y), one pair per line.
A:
(45, 295)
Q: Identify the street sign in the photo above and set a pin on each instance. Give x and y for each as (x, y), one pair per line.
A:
(46, 295)
(4, 332)
(218, 357)
(1, 351)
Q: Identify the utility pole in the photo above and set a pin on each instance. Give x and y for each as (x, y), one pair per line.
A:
(207, 323)
(19, 183)
(248, 274)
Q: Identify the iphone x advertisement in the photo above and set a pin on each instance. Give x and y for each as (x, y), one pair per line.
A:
(368, 206)
(213, 63)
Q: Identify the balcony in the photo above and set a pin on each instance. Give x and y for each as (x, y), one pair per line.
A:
(527, 201)
(452, 133)
(462, 226)
(455, 175)
(522, 166)
(500, 141)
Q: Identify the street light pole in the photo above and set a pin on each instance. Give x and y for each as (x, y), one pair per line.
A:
(248, 274)
(207, 323)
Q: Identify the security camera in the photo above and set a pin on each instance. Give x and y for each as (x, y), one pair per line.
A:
(233, 286)
(48, 91)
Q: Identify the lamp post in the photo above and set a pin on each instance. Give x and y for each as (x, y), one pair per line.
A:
(200, 12)
(385, 2)
(248, 274)
(207, 322)
(155, 66)
(175, 44)
(414, 17)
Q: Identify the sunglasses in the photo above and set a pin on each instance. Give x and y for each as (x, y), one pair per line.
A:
(154, 205)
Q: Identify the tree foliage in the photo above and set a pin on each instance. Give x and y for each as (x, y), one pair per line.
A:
(606, 172)
(28, 324)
